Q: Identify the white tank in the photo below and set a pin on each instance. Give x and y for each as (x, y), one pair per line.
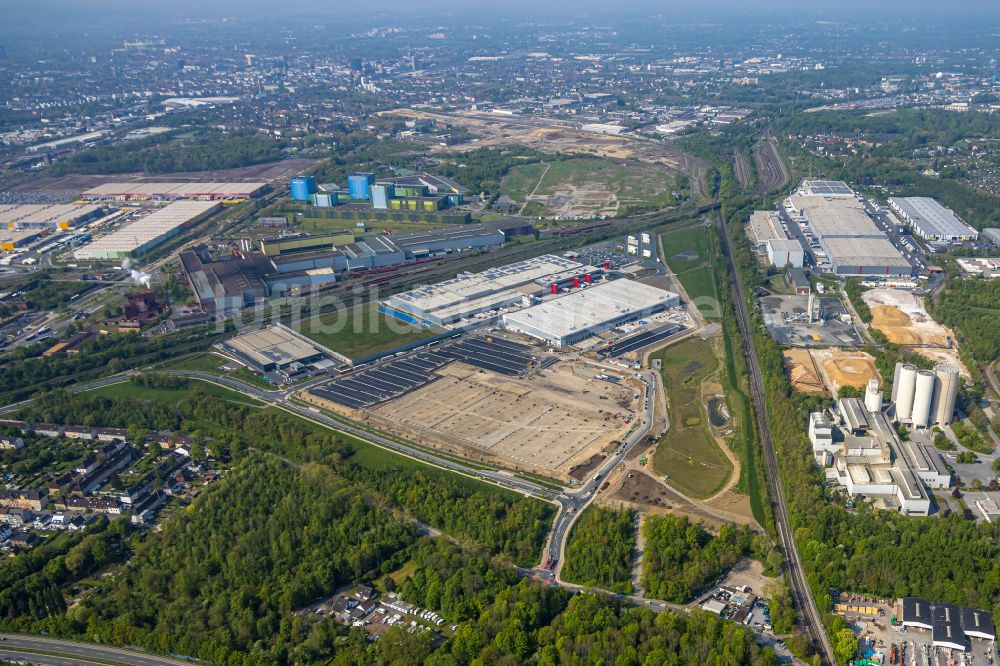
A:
(945, 393)
(922, 398)
(903, 390)
(873, 397)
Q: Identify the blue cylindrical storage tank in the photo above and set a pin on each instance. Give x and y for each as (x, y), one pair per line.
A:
(303, 187)
(359, 185)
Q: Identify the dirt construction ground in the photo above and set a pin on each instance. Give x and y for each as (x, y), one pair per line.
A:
(802, 371)
(557, 136)
(901, 316)
(838, 368)
(547, 422)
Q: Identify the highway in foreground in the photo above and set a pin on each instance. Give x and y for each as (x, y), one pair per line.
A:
(801, 592)
(57, 652)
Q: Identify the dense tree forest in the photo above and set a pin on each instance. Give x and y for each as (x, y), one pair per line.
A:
(682, 558)
(43, 293)
(601, 548)
(230, 571)
(972, 306)
(201, 150)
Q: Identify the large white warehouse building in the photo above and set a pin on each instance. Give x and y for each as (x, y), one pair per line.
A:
(587, 312)
(143, 235)
(932, 221)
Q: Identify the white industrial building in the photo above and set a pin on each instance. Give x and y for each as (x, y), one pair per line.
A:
(765, 225)
(932, 221)
(829, 213)
(581, 314)
(924, 398)
(858, 448)
(783, 253)
(53, 217)
(173, 191)
(473, 294)
(144, 234)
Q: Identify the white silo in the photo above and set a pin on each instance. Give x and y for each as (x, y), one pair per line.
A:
(873, 397)
(945, 393)
(903, 389)
(923, 397)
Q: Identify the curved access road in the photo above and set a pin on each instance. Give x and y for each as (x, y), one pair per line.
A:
(801, 592)
(58, 652)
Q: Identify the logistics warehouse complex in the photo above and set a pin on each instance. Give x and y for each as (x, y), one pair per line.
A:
(472, 294)
(587, 312)
(833, 218)
(932, 221)
(146, 233)
(172, 191)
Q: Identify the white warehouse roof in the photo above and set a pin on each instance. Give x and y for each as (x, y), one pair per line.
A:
(144, 233)
(831, 217)
(588, 309)
(932, 220)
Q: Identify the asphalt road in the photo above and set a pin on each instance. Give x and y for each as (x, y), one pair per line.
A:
(801, 592)
(61, 652)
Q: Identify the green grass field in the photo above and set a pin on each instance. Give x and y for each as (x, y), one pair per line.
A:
(172, 396)
(688, 454)
(361, 331)
(688, 253)
(605, 182)
(208, 362)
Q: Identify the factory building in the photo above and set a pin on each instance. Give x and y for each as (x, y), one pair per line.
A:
(951, 626)
(472, 294)
(302, 188)
(172, 191)
(143, 235)
(931, 221)
(992, 234)
(439, 242)
(840, 226)
(47, 217)
(924, 398)
(586, 312)
(381, 194)
(784, 252)
(292, 243)
(858, 448)
(230, 283)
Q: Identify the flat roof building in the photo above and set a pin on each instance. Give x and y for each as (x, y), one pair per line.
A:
(276, 347)
(866, 256)
(143, 235)
(826, 188)
(470, 294)
(174, 191)
(782, 252)
(584, 313)
(932, 221)
(765, 225)
(52, 217)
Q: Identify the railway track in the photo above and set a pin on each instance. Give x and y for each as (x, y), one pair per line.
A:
(801, 592)
(770, 167)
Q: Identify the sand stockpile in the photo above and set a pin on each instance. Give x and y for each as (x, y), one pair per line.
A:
(802, 372)
(844, 368)
(902, 318)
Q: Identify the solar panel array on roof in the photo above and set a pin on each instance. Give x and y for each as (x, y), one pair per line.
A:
(826, 188)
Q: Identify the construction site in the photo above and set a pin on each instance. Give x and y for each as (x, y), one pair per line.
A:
(501, 405)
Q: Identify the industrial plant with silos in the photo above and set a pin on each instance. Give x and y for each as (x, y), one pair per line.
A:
(857, 447)
(924, 398)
